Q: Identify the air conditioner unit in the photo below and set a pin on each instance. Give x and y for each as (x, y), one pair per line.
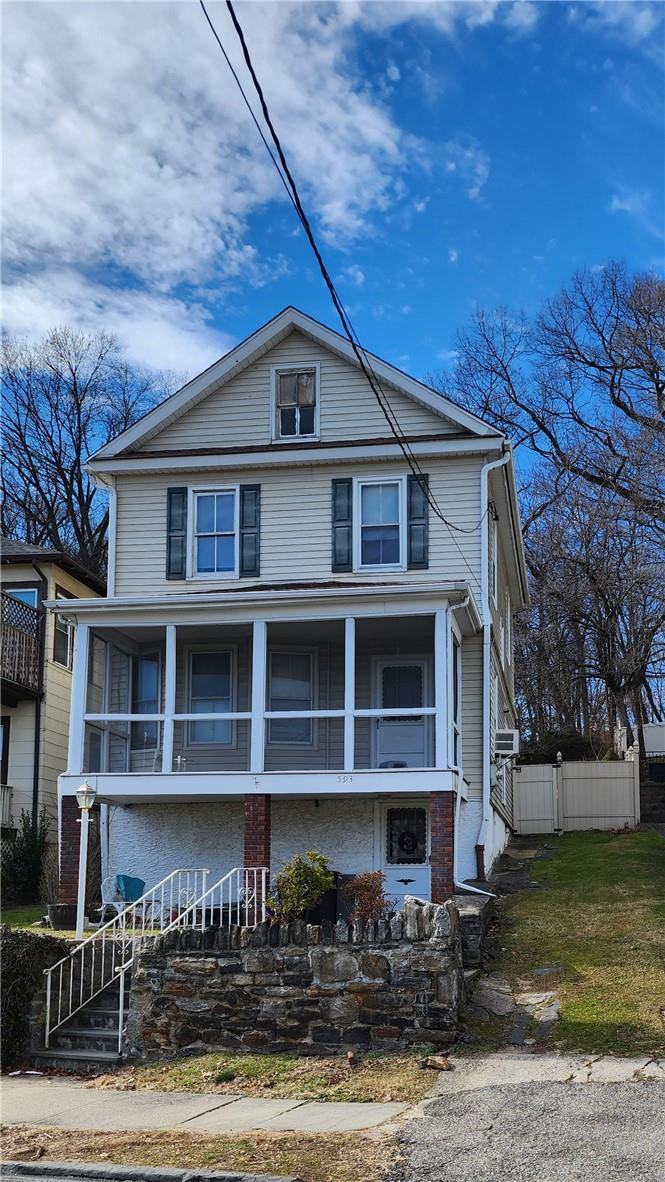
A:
(507, 743)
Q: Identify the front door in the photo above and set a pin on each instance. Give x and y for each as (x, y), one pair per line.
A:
(401, 741)
(403, 846)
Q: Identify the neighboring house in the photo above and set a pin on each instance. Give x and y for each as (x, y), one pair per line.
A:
(36, 676)
(296, 652)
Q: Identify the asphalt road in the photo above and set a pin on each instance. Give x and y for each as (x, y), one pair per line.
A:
(539, 1132)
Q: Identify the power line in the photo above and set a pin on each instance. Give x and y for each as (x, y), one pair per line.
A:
(363, 360)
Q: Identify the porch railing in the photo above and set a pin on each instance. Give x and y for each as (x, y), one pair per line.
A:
(20, 642)
(239, 898)
(181, 900)
(107, 954)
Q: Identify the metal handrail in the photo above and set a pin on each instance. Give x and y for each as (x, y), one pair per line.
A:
(109, 950)
(233, 899)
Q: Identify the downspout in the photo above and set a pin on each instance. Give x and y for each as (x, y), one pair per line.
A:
(487, 650)
(457, 882)
(41, 656)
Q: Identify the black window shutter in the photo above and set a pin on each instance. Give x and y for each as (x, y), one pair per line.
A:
(250, 517)
(342, 524)
(176, 533)
(418, 523)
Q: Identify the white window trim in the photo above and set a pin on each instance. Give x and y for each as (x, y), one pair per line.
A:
(189, 651)
(358, 484)
(11, 589)
(295, 367)
(69, 629)
(218, 576)
(313, 740)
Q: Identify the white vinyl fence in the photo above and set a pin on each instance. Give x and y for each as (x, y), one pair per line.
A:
(549, 798)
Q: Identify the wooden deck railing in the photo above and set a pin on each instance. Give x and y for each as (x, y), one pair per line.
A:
(20, 643)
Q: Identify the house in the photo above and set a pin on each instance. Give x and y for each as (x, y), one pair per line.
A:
(303, 644)
(36, 666)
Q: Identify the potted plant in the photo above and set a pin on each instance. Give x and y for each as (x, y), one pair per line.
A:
(61, 916)
(300, 885)
(367, 895)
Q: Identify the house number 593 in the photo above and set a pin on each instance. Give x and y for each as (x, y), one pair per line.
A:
(345, 779)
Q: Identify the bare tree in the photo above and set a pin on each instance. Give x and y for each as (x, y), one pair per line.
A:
(62, 400)
(582, 386)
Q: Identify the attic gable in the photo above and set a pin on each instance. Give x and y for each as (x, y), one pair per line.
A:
(230, 405)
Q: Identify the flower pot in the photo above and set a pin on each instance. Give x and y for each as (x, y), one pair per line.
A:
(62, 916)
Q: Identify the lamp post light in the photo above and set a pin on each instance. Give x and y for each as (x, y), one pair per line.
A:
(85, 798)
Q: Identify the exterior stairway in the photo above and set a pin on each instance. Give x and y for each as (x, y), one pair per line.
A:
(88, 1041)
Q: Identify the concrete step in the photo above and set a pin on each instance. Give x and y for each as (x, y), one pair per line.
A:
(76, 1061)
(83, 1040)
(98, 1017)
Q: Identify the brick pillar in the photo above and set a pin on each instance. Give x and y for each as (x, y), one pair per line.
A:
(70, 840)
(442, 825)
(257, 831)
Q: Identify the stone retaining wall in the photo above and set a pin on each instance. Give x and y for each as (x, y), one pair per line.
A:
(276, 987)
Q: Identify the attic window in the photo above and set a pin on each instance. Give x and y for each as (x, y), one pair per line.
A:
(296, 403)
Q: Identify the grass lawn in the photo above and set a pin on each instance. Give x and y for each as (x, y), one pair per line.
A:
(25, 916)
(601, 919)
(378, 1076)
(320, 1157)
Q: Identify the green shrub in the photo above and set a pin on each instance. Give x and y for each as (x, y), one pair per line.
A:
(25, 955)
(23, 859)
(366, 892)
(300, 884)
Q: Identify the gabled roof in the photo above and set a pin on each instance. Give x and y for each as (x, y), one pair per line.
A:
(255, 346)
(13, 552)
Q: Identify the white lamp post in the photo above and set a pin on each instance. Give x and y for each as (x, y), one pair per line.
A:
(85, 798)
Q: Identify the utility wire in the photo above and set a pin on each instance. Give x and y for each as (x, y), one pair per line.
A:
(363, 360)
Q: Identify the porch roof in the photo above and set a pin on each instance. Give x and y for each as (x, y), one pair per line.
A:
(278, 601)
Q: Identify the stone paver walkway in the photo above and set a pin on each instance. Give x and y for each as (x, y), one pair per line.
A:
(68, 1104)
(523, 1067)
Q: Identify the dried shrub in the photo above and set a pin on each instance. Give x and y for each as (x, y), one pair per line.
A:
(367, 894)
(300, 885)
(25, 955)
(49, 883)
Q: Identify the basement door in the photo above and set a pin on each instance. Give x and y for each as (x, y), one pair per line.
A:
(402, 848)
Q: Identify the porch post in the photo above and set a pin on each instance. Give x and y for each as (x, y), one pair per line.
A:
(349, 692)
(257, 739)
(78, 700)
(440, 685)
(442, 828)
(169, 699)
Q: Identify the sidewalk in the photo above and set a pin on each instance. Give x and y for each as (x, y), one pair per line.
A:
(68, 1104)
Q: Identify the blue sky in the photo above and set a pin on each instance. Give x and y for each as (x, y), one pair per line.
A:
(450, 154)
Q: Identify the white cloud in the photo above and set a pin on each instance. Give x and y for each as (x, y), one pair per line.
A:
(133, 174)
(154, 330)
(421, 206)
(448, 356)
(468, 159)
(637, 204)
(521, 16)
(354, 274)
(393, 73)
(631, 20)
(453, 255)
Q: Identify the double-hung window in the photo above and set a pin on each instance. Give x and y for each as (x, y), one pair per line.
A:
(145, 700)
(291, 687)
(211, 692)
(63, 635)
(380, 535)
(215, 532)
(296, 403)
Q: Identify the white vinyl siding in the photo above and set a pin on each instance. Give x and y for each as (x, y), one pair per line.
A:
(240, 412)
(296, 523)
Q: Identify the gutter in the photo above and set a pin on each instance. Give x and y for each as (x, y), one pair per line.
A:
(487, 649)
